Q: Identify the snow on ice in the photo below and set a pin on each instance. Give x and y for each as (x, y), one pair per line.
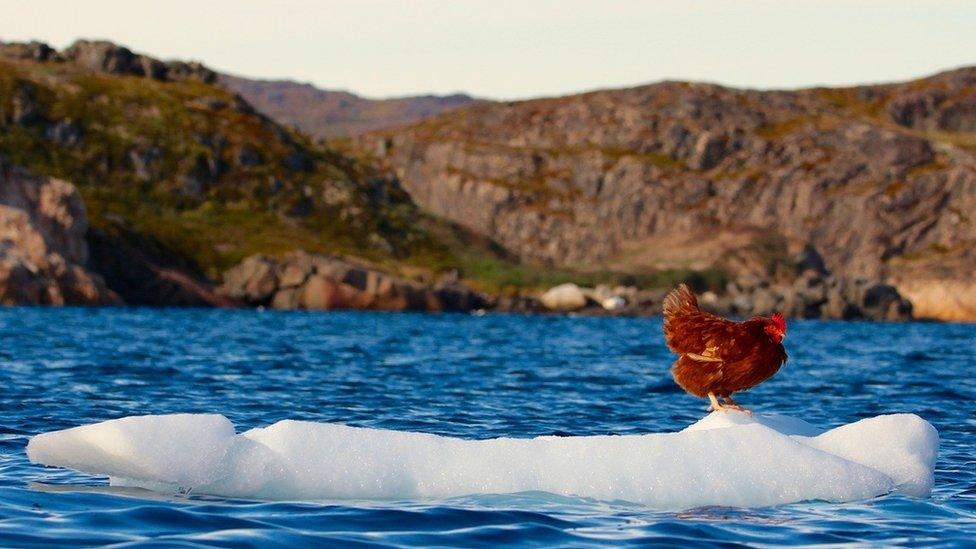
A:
(727, 458)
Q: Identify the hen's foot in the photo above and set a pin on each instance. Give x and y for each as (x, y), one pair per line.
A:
(729, 405)
(715, 404)
(733, 405)
(723, 407)
(738, 408)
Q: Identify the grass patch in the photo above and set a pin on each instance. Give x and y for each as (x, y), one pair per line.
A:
(497, 276)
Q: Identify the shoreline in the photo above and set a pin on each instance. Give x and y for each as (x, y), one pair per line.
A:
(583, 314)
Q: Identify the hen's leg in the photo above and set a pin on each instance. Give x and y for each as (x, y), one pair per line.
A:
(715, 404)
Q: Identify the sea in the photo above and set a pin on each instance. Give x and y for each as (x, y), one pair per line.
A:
(467, 376)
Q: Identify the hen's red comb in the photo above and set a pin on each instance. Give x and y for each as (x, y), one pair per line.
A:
(779, 321)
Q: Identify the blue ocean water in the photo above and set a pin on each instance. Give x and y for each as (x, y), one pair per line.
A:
(464, 376)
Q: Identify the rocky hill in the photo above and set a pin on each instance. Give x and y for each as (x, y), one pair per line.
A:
(182, 178)
(328, 113)
(806, 202)
(873, 181)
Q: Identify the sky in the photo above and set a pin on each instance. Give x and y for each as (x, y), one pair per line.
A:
(504, 49)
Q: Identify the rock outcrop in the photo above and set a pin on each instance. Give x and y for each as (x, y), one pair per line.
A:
(107, 57)
(315, 282)
(43, 254)
(881, 180)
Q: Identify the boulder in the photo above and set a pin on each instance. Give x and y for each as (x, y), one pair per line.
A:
(254, 280)
(43, 253)
(564, 298)
(295, 270)
(286, 298)
(102, 56)
(300, 280)
(322, 293)
(454, 296)
(882, 301)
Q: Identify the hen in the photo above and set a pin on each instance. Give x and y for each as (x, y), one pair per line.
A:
(717, 357)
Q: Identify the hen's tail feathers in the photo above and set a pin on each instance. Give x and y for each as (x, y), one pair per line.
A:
(679, 302)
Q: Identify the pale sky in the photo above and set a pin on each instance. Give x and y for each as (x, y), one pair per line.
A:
(515, 49)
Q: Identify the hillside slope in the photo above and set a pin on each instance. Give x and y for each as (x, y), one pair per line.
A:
(878, 181)
(327, 113)
(184, 172)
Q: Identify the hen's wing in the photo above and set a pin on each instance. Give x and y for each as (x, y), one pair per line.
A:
(700, 336)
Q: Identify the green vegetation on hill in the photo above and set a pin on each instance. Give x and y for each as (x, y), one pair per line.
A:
(192, 167)
(487, 267)
(197, 168)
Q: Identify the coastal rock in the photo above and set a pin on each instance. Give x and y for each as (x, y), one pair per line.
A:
(515, 304)
(300, 280)
(945, 299)
(614, 303)
(43, 253)
(564, 298)
(815, 296)
(254, 280)
(322, 293)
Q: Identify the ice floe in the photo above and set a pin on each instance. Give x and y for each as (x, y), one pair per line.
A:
(727, 458)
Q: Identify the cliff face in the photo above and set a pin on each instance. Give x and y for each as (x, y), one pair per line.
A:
(878, 181)
(43, 253)
(329, 113)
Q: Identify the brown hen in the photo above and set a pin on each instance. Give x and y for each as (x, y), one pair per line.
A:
(718, 357)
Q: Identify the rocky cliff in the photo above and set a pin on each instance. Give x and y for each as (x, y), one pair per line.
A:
(43, 253)
(638, 188)
(877, 181)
